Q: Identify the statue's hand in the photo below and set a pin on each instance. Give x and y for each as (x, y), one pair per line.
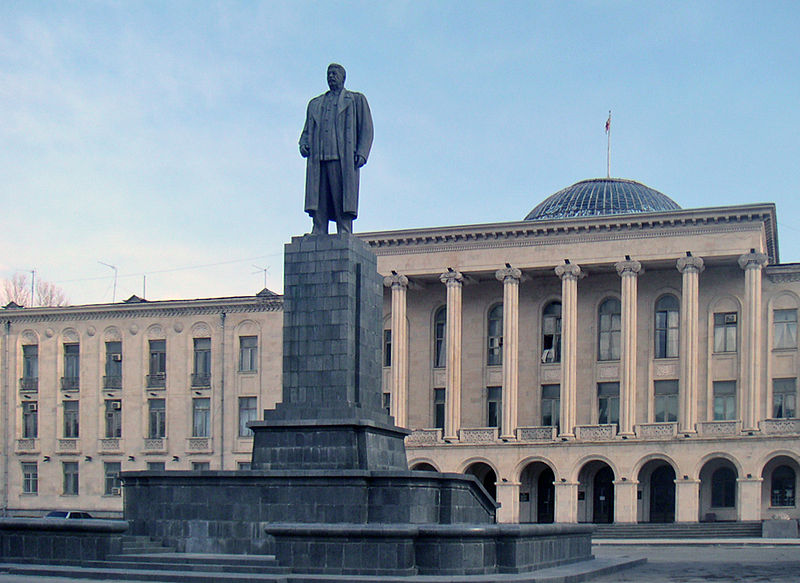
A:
(360, 161)
(304, 150)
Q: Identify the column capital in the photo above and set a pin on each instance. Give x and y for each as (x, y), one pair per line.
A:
(395, 280)
(508, 273)
(569, 271)
(752, 260)
(452, 278)
(690, 264)
(629, 267)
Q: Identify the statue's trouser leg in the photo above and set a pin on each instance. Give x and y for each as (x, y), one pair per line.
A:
(327, 195)
(334, 189)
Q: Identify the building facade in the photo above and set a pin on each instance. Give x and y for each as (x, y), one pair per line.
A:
(89, 391)
(612, 358)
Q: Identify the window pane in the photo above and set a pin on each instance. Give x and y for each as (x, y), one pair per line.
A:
(248, 353)
(248, 411)
(201, 415)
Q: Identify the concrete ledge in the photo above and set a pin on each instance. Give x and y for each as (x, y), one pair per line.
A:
(60, 539)
(64, 525)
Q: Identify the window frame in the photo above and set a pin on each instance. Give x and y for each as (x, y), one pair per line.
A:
(726, 332)
(247, 414)
(550, 405)
(611, 398)
(781, 496)
(551, 332)
(157, 418)
(666, 327)
(30, 480)
(30, 419)
(726, 398)
(665, 403)
(609, 330)
(494, 406)
(71, 416)
(71, 479)
(787, 328)
(248, 353)
(494, 335)
(201, 417)
(439, 407)
(111, 478)
(113, 418)
(440, 337)
(780, 398)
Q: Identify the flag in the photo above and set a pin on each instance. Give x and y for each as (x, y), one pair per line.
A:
(608, 123)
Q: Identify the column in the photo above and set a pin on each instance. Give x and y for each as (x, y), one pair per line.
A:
(566, 498)
(510, 277)
(399, 286)
(625, 502)
(452, 423)
(569, 273)
(629, 271)
(748, 503)
(508, 497)
(687, 500)
(752, 344)
(690, 267)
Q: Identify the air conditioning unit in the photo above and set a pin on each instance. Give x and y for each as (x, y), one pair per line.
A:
(116, 406)
(115, 491)
(116, 357)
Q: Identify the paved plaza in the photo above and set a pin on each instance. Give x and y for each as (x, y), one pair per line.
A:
(700, 564)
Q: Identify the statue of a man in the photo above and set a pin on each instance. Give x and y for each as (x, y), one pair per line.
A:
(336, 140)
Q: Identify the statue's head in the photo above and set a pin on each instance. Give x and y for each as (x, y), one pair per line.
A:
(336, 76)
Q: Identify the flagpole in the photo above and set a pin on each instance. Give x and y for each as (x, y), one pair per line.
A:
(608, 152)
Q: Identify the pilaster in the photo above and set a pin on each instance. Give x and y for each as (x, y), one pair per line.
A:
(749, 502)
(625, 503)
(569, 273)
(566, 502)
(750, 400)
(454, 281)
(508, 497)
(687, 500)
(399, 373)
(510, 277)
(690, 268)
(628, 270)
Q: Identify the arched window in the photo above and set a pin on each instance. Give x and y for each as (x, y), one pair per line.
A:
(666, 329)
(783, 486)
(494, 336)
(551, 332)
(609, 317)
(723, 488)
(439, 335)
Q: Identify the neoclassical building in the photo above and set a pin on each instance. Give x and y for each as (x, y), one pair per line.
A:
(89, 391)
(610, 358)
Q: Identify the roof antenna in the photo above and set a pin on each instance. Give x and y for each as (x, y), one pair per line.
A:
(608, 152)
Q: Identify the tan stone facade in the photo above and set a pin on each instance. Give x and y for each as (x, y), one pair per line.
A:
(91, 390)
(627, 368)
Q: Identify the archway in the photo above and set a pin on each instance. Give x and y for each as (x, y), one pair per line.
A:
(718, 491)
(537, 494)
(596, 493)
(656, 499)
(423, 467)
(485, 475)
(779, 487)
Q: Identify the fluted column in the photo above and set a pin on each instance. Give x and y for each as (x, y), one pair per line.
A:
(399, 286)
(752, 263)
(452, 423)
(690, 267)
(510, 277)
(629, 271)
(569, 273)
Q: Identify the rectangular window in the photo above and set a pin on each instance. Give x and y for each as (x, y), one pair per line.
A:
(70, 380)
(158, 364)
(785, 328)
(71, 478)
(158, 418)
(725, 332)
(30, 367)
(248, 411)
(113, 376)
(551, 405)
(784, 398)
(438, 408)
(494, 399)
(248, 353)
(201, 377)
(30, 478)
(201, 417)
(724, 400)
(111, 471)
(71, 419)
(387, 348)
(201, 466)
(666, 401)
(386, 402)
(243, 466)
(113, 418)
(608, 403)
(30, 420)
(156, 466)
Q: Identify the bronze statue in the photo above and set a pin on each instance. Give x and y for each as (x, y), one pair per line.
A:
(336, 140)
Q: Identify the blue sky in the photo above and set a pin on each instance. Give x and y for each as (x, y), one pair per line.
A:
(161, 137)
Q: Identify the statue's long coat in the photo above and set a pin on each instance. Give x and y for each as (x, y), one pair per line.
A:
(354, 136)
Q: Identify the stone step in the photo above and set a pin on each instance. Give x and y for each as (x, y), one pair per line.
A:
(158, 575)
(679, 530)
(193, 562)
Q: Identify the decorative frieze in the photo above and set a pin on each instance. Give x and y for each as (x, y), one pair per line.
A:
(718, 428)
(542, 433)
(656, 430)
(110, 445)
(424, 436)
(780, 426)
(198, 445)
(67, 446)
(596, 432)
(478, 435)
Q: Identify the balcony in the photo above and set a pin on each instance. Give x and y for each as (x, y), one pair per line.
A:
(29, 384)
(656, 430)
(198, 445)
(112, 382)
(596, 432)
(201, 379)
(68, 445)
(542, 433)
(157, 380)
(110, 445)
(780, 426)
(70, 383)
(27, 445)
(719, 428)
(155, 445)
(424, 437)
(478, 435)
